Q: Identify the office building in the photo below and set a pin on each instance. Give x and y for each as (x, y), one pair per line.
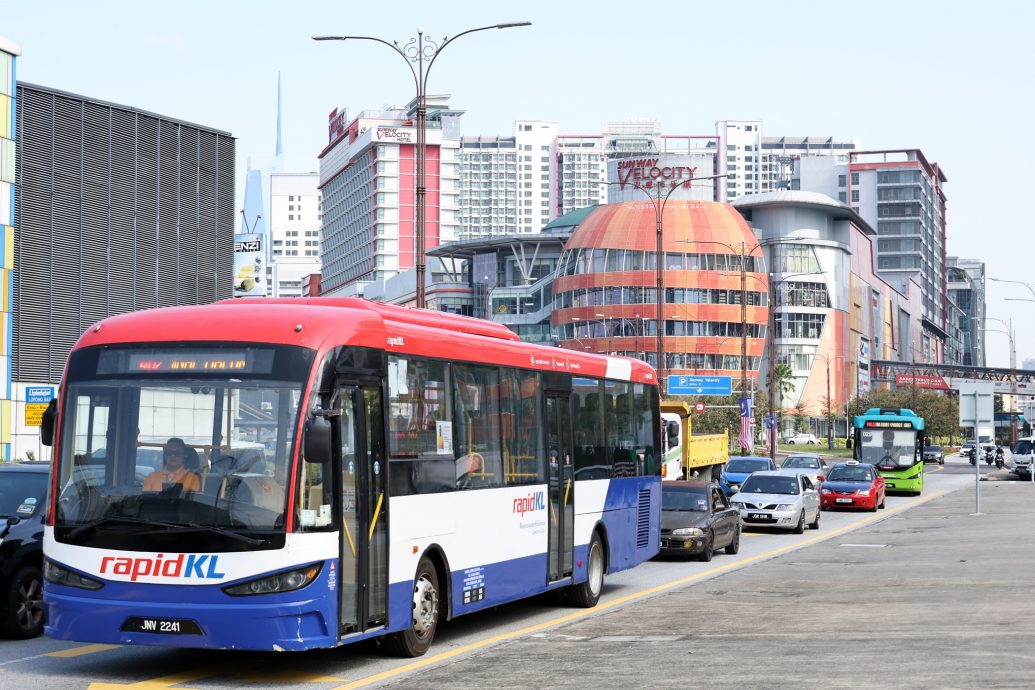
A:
(118, 209)
(9, 52)
(294, 223)
(966, 286)
(367, 185)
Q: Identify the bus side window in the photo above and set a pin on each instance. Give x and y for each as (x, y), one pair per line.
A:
(420, 433)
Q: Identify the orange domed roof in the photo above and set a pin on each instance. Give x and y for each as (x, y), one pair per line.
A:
(632, 225)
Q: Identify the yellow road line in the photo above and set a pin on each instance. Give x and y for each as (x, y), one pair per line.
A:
(169, 681)
(80, 651)
(634, 596)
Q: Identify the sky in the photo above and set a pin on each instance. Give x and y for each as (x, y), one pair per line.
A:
(951, 78)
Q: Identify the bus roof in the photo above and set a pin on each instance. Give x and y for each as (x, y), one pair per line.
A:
(885, 414)
(322, 323)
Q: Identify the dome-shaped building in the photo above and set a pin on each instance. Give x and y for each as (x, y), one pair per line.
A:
(605, 292)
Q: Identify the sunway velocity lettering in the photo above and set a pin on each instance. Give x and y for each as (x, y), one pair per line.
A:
(192, 565)
(530, 503)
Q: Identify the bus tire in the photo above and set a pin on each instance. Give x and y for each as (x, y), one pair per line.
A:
(415, 640)
(586, 594)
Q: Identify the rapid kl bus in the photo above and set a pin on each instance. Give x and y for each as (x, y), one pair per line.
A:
(893, 440)
(355, 470)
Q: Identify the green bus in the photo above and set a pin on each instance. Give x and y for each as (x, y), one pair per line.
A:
(893, 440)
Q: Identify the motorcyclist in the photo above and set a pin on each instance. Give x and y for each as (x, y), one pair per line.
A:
(973, 455)
(999, 462)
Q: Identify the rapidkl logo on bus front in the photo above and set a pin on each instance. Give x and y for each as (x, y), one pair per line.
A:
(191, 566)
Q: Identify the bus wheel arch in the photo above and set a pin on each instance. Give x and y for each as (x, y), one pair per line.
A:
(430, 595)
(437, 556)
(587, 593)
(600, 530)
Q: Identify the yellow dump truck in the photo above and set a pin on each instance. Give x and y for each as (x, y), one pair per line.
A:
(686, 454)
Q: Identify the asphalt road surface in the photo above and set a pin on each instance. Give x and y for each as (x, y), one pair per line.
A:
(922, 594)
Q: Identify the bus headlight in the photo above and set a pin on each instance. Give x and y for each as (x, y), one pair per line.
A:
(687, 532)
(54, 573)
(287, 581)
(915, 476)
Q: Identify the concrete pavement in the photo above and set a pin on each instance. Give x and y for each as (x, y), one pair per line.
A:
(932, 597)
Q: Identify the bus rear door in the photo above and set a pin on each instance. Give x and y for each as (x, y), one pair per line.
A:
(561, 487)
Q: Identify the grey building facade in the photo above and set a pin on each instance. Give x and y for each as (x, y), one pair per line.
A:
(118, 209)
(966, 286)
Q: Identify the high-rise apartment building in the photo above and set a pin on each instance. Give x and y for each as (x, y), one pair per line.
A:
(295, 217)
(367, 183)
(966, 286)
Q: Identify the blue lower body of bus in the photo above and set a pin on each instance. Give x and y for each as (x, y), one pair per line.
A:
(625, 513)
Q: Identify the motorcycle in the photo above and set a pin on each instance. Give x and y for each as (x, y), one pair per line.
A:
(999, 461)
(989, 456)
(973, 456)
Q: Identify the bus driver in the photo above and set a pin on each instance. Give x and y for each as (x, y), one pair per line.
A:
(174, 470)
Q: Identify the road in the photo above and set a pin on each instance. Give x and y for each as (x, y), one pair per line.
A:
(491, 637)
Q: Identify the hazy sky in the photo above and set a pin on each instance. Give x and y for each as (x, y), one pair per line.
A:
(952, 78)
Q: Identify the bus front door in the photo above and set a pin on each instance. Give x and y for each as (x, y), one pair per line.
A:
(364, 534)
(561, 487)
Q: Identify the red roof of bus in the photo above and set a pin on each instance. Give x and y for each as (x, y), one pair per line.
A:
(323, 323)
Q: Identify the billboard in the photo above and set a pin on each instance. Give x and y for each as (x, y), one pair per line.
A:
(249, 266)
(862, 383)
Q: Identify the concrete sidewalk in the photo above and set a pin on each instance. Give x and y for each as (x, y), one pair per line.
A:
(932, 597)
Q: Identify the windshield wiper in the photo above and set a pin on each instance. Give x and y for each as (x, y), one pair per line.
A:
(115, 519)
(194, 527)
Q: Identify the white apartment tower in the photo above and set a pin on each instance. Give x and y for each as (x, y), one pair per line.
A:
(295, 216)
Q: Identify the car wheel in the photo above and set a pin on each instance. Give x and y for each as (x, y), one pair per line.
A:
(734, 546)
(800, 527)
(709, 548)
(24, 605)
(587, 594)
(882, 500)
(415, 640)
(815, 523)
(875, 506)
(941, 461)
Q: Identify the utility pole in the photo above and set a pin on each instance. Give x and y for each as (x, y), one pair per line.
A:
(743, 330)
(770, 347)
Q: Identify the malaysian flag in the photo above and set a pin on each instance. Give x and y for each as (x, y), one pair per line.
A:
(744, 438)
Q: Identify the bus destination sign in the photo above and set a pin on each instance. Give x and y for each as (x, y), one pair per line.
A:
(187, 361)
(882, 424)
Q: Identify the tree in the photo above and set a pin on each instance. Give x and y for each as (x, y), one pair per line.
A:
(783, 382)
(801, 418)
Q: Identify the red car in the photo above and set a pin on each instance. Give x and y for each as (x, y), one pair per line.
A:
(852, 484)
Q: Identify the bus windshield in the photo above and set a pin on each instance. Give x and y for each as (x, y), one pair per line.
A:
(889, 449)
(175, 461)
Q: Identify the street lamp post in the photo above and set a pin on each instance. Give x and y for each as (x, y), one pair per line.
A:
(1013, 370)
(423, 52)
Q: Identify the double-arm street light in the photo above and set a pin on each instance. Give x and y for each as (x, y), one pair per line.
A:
(420, 51)
(659, 199)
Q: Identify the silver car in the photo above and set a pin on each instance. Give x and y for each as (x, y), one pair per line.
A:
(807, 463)
(785, 499)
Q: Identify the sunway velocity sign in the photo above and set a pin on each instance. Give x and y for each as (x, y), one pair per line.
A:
(642, 170)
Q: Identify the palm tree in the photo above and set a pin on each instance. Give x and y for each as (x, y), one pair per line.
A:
(783, 381)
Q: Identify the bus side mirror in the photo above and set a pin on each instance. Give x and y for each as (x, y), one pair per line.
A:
(47, 423)
(316, 440)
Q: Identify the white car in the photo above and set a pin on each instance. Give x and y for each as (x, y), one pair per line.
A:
(803, 439)
(779, 498)
(1023, 458)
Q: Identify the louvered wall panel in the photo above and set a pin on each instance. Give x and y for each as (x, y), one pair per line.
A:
(115, 211)
(122, 285)
(168, 212)
(207, 216)
(147, 212)
(67, 227)
(32, 277)
(187, 282)
(226, 214)
(95, 271)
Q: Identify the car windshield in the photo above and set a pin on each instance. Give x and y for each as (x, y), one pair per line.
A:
(1023, 447)
(21, 493)
(849, 474)
(888, 448)
(765, 484)
(932, 449)
(684, 499)
(801, 462)
(162, 456)
(746, 465)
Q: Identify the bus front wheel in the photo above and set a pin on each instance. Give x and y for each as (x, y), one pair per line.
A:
(415, 640)
(587, 594)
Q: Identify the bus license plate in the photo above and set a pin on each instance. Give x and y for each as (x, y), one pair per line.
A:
(161, 626)
(758, 516)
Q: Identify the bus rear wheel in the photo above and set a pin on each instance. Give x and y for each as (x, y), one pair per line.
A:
(415, 640)
(587, 594)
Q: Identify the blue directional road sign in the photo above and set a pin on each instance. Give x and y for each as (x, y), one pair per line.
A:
(700, 385)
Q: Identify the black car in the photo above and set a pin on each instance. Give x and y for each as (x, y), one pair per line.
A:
(697, 519)
(23, 489)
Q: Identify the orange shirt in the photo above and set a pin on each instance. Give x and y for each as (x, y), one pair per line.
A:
(157, 479)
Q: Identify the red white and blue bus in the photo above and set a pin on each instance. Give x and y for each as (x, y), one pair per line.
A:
(298, 473)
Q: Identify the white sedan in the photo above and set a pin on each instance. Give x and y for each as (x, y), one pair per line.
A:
(780, 498)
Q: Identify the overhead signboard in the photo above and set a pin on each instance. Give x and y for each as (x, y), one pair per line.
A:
(700, 385)
(922, 381)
